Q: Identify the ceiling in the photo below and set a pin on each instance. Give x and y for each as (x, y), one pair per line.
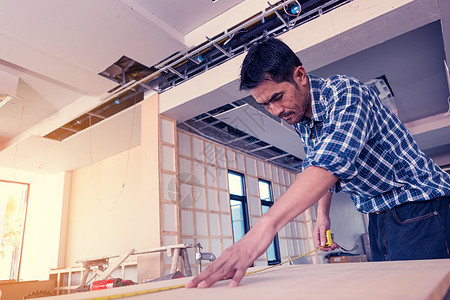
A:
(57, 49)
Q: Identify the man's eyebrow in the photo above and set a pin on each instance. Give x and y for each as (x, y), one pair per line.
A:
(274, 96)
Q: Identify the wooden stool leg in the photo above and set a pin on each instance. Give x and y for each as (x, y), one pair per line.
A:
(176, 254)
(186, 264)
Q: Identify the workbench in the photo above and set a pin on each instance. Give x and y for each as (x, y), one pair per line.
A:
(421, 279)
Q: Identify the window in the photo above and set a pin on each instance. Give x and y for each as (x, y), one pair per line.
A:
(238, 204)
(265, 195)
(13, 208)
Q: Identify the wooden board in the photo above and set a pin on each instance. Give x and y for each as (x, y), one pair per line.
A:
(425, 279)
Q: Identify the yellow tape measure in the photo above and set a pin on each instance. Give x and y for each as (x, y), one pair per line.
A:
(329, 235)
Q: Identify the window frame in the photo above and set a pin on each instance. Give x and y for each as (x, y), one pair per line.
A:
(16, 260)
(242, 200)
(276, 243)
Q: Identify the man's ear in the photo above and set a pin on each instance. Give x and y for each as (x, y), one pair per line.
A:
(300, 75)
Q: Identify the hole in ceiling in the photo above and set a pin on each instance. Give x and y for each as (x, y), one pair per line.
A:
(181, 66)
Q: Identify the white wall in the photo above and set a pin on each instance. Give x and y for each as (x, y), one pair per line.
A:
(105, 215)
(114, 204)
(347, 223)
(43, 223)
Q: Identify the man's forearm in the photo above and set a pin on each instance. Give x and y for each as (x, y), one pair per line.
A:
(312, 184)
(324, 204)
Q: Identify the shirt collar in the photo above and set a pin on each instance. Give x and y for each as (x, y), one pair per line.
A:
(317, 107)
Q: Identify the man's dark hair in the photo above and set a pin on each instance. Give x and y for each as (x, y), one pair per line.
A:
(271, 57)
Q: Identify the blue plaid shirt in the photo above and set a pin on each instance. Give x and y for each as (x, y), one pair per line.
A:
(352, 135)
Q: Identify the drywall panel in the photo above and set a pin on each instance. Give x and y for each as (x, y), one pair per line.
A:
(231, 159)
(282, 189)
(300, 230)
(267, 171)
(211, 194)
(225, 225)
(167, 131)
(104, 200)
(260, 168)
(186, 195)
(187, 223)
(214, 224)
(283, 249)
(274, 174)
(296, 248)
(222, 179)
(281, 176)
(185, 171)
(253, 122)
(290, 249)
(227, 243)
(167, 241)
(254, 205)
(293, 226)
(287, 229)
(211, 176)
(220, 156)
(252, 186)
(224, 202)
(287, 180)
(253, 221)
(200, 198)
(149, 206)
(168, 158)
(199, 173)
(168, 187)
(184, 144)
(215, 246)
(276, 191)
(240, 162)
(250, 166)
(209, 153)
(197, 148)
(292, 178)
(204, 243)
(202, 223)
(169, 217)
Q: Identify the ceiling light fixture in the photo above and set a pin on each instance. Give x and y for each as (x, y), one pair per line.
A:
(8, 87)
(4, 98)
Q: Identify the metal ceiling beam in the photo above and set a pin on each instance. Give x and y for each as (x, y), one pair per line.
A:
(260, 148)
(280, 156)
(206, 46)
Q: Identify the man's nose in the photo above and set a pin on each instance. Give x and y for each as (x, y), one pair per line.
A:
(276, 109)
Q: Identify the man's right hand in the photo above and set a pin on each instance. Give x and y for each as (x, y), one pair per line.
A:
(320, 238)
(233, 263)
(235, 260)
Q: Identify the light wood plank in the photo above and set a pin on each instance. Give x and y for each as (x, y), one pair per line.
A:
(425, 279)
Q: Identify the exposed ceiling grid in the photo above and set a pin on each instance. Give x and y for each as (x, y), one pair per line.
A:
(58, 49)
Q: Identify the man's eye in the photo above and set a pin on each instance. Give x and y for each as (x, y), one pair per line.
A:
(278, 98)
